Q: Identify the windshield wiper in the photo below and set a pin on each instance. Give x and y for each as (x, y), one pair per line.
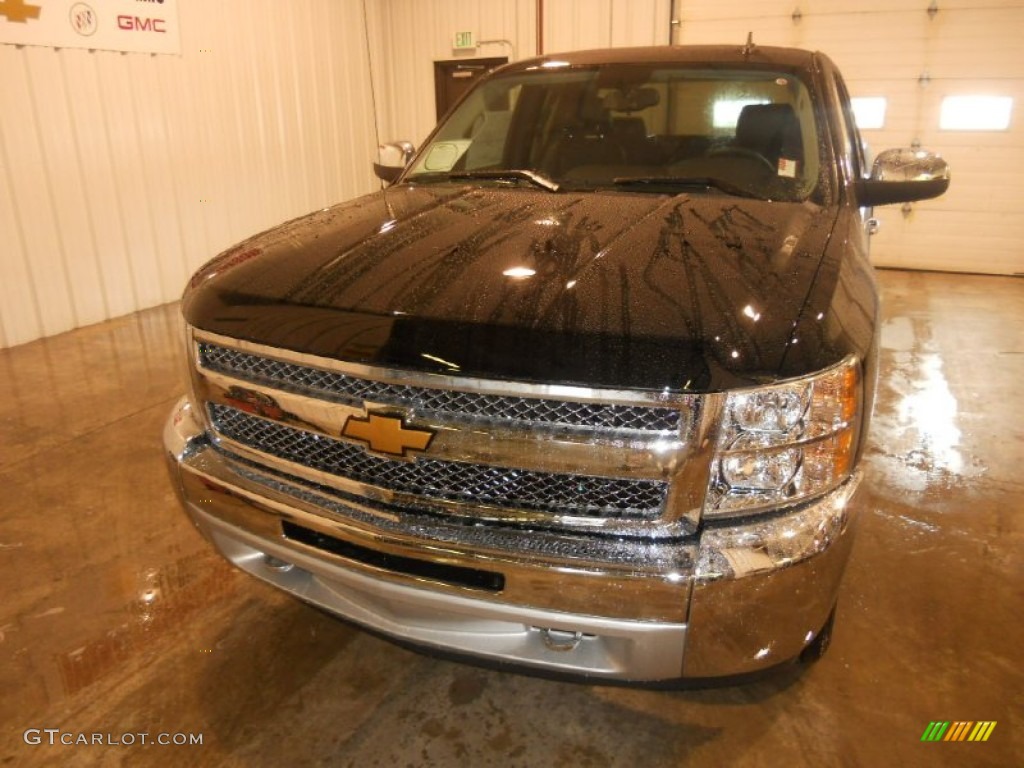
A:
(534, 177)
(685, 181)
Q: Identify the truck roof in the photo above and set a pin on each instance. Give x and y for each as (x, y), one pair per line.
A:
(674, 54)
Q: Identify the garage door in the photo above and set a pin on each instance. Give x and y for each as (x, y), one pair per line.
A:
(949, 76)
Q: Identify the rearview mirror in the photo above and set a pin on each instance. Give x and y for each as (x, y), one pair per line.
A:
(392, 158)
(902, 176)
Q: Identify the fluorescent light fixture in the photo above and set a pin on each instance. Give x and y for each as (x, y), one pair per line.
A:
(975, 113)
(869, 112)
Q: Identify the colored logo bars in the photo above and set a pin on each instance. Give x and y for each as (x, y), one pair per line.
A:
(958, 731)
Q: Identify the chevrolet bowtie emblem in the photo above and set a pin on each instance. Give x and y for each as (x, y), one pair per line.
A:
(387, 434)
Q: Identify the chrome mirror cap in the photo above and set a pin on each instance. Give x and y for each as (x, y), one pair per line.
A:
(392, 158)
(904, 175)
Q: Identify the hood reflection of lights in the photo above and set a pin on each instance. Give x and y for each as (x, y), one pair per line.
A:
(441, 360)
(519, 273)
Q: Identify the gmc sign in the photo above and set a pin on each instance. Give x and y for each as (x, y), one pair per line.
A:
(134, 23)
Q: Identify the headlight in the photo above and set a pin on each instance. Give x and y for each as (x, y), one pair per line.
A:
(785, 443)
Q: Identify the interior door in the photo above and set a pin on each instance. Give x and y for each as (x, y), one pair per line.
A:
(453, 78)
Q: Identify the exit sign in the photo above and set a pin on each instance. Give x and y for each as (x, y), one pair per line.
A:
(463, 40)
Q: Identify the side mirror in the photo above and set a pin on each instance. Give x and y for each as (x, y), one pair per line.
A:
(902, 176)
(392, 158)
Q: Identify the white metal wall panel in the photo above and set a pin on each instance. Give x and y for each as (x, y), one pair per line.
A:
(121, 173)
(415, 34)
(576, 25)
(883, 49)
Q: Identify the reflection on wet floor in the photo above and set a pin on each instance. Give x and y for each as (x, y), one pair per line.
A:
(928, 433)
(918, 412)
(117, 617)
(166, 598)
(932, 412)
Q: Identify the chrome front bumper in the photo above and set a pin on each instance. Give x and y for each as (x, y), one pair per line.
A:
(735, 599)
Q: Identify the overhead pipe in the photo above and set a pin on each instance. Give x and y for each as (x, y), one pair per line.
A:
(540, 27)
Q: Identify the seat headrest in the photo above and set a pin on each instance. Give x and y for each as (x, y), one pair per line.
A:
(771, 129)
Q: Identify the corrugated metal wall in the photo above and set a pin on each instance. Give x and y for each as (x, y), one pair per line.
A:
(576, 25)
(121, 173)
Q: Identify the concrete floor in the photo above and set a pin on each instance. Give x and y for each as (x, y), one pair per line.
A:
(117, 618)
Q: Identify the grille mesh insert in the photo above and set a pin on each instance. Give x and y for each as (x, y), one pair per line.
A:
(564, 494)
(352, 390)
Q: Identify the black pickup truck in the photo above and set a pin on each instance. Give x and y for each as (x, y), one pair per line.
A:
(582, 391)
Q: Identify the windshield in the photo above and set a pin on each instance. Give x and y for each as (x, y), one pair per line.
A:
(747, 131)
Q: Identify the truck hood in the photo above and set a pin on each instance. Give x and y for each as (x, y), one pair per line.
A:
(628, 290)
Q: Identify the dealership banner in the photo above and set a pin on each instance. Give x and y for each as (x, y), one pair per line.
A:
(139, 26)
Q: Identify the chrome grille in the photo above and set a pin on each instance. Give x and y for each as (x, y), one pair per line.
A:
(353, 390)
(561, 544)
(572, 495)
